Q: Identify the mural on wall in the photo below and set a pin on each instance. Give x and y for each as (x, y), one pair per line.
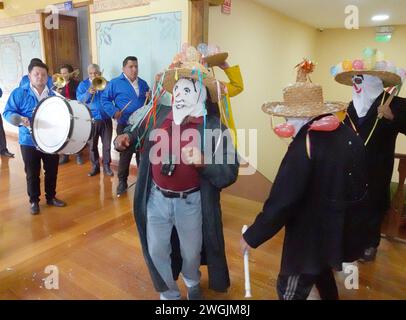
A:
(153, 39)
(16, 52)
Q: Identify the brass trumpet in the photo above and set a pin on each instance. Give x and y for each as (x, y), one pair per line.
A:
(59, 81)
(99, 83)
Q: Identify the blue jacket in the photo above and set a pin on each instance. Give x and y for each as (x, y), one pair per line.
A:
(22, 101)
(118, 93)
(26, 80)
(83, 95)
(1, 93)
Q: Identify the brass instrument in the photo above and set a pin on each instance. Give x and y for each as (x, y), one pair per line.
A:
(59, 81)
(99, 83)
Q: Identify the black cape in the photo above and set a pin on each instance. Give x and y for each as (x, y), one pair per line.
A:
(213, 178)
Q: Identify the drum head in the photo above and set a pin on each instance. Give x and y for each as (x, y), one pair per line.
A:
(51, 124)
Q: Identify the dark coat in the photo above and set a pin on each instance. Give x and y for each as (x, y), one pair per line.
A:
(315, 199)
(380, 149)
(213, 177)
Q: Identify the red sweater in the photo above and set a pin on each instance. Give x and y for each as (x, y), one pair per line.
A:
(185, 176)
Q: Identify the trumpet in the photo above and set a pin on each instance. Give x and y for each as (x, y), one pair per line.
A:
(99, 83)
(59, 81)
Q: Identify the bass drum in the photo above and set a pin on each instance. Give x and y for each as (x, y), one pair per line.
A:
(61, 126)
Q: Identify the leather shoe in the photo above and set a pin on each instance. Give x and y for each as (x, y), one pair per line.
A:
(107, 170)
(56, 202)
(34, 208)
(122, 187)
(7, 153)
(369, 255)
(95, 170)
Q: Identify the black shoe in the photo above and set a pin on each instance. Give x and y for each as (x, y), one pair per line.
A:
(34, 208)
(194, 293)
(107, 171)
(56, 202)
(79, 159)
(122, 187)
(63, 159)
(369, 255)
(95, 171)
(7, 153)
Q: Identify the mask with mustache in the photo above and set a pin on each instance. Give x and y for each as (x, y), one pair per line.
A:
(365, 90)
(189, 99)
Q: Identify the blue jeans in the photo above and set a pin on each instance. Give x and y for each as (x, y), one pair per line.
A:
(186, 216)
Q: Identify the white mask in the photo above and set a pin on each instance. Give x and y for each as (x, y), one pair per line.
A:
(365, 90)
(297, 123)
(188, 100)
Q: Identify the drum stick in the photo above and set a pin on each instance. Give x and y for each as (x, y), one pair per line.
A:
(246, 269)
(126, 106)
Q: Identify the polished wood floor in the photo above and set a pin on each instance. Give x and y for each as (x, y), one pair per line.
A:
(94, 243)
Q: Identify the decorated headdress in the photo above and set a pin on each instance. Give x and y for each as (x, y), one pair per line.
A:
(374, 64)
(189, 64)
(303, 99)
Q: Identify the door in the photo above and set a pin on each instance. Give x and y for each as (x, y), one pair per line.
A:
(62, 44)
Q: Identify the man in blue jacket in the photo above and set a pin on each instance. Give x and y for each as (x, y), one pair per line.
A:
(26, 80)
(102, 123)
(3, 143)
(124, 95)
(20, 105)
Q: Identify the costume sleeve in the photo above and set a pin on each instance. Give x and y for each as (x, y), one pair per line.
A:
(398, 107)
(287, 191)
(236, 85)
(221, 163)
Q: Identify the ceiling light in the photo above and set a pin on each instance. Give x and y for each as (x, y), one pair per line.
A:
(380, 17)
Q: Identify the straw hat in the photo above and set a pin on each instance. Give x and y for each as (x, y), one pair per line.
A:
(216, 59)
(303, 99)
(372, 64)
(389, 79)
(190, 68)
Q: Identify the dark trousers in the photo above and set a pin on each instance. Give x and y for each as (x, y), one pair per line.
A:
(32, 165)
(298, 287)
(101, 129)
(3, 142)
(125, 157)
(375, 224)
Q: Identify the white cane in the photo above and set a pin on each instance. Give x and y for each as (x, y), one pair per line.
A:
(246, 269)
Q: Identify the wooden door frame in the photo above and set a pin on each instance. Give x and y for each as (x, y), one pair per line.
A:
(75, 6)
(47, 38)
(199, 20)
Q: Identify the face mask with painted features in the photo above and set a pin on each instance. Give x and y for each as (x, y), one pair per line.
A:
(291, 127)
(189, 99)
(365, 90)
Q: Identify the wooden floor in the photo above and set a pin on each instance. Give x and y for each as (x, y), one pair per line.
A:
(94, 244)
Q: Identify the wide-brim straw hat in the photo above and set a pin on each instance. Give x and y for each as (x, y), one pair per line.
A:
(388, 78)
(191, 70)
(281, 109)
(216, 59)
(303, 99)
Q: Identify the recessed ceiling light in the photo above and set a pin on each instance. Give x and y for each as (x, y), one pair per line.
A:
(380, 17)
